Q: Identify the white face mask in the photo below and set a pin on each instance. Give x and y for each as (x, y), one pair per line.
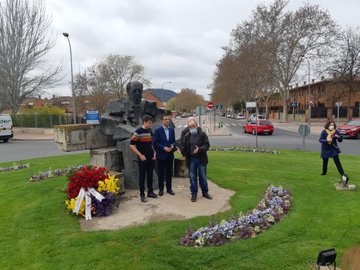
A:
(331, 127)
(193, 131)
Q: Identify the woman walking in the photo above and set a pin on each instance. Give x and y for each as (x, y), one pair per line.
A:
(329, 138)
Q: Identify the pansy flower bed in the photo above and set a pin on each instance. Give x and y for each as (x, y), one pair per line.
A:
(14, 167)
(91, 191)
(246, 149)
(53, 173)
(270, 210)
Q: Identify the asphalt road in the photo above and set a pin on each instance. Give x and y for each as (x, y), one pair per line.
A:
(281, 138)
(16, 150)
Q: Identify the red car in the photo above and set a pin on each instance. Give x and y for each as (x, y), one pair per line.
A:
(264, 126)
(351, 129)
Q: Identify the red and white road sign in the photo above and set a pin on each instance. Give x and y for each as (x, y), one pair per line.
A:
(210, 105)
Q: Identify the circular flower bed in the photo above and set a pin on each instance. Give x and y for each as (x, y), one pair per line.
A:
(91, 191)
(271, 209)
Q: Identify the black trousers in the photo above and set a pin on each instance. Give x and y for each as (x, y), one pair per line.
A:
(165, 172)
(146, 168)
(337, 163)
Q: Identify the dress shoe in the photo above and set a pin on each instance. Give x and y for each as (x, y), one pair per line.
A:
(152, 195)
(323, 174)
(171, 192)
(193, 198)
(161, 193)
(143, 199)
(207, 196)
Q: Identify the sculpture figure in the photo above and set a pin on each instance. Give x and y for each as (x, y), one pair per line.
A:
(120, 120)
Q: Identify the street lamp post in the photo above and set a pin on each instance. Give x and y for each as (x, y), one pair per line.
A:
(162, 94)
(309, 91)
(72, 79)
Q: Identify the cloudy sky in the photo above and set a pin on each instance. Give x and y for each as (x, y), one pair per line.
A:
(177, 41)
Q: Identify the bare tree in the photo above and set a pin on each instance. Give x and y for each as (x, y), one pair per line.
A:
(187, 100)
(23, 46)
(345, 64)
(121, 70)
(108, 79)
(93, 86)
(288, 37)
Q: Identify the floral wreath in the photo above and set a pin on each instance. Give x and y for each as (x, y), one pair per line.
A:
(91, 191)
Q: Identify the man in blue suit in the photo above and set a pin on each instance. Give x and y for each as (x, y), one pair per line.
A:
(164, 144)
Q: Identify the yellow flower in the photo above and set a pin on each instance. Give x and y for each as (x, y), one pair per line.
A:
(110, 184)
(70, 205)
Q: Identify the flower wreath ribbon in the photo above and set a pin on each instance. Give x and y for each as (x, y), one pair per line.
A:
(87, 195)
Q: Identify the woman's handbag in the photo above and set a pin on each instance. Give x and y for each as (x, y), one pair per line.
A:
(337, 148)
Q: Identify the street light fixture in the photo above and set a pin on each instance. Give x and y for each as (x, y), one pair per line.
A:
(72, 79)
(162, 86)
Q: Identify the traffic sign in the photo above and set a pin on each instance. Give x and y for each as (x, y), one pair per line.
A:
(211, 105)
(218, 106)
(92, 117)
(293, 104)
(338, 104)
(304, 130)
(250, 105)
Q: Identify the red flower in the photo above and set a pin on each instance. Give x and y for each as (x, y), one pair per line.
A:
(86, 177)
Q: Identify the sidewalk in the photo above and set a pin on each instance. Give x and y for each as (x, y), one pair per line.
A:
(33, 133)
(315, 127)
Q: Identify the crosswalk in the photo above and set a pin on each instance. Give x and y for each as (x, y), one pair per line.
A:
(224, 124)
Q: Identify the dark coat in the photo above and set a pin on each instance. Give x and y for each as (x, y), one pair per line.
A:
(203, 145)
(160, 142)
(329, 150)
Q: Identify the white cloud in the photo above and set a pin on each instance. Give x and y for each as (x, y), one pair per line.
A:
(176, 40)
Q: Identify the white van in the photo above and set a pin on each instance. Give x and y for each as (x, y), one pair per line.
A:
(6, 126)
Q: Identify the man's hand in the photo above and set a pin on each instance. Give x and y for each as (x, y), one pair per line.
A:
(196, 149)
(178, 150)
(154, 156)
(167, 149)
(142, 157)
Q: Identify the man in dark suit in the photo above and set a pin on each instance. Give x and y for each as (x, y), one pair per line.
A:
(165, 145)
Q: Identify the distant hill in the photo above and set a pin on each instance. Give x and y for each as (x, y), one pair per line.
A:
(163, 94)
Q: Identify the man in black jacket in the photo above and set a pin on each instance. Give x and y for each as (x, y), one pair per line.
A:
(194, 147)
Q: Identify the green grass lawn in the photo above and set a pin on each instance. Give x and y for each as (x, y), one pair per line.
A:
(38, 233)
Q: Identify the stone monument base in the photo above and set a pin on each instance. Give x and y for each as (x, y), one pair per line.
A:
(180, 169)
(108, 157)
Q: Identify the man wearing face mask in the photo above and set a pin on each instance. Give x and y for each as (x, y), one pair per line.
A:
(194, 147)
(329, 147)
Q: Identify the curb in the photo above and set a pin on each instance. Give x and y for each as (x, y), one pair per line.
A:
(30, 139)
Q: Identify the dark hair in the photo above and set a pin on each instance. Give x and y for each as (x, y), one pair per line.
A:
(147, 118)
(328, 124)
(163, 115)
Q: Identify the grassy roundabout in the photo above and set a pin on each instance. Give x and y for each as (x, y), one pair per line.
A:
(38, 233)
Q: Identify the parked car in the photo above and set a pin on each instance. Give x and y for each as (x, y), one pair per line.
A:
(6, 126)
(228, 115)
(239, 116)
(351, 129)
(263, 127)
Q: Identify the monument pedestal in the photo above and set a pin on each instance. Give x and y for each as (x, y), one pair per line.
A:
(108, 157)
(180, 168)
